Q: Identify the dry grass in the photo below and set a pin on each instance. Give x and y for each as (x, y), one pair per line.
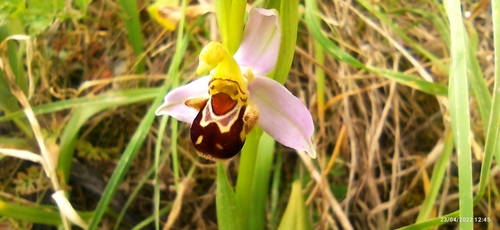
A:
(380, 139)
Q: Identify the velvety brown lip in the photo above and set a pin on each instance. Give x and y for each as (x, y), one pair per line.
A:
(222, 103)
(212, 144)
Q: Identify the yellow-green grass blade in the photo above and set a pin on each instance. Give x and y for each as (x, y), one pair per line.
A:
(117, 97)
(143, 224)
(274, 200)
(459, 110)
(44, 214)
(83, 112)
(492, 128)
(131, 18)
(437, 178)
(478, 84)
(433, 222)
(136, 190)
(295, 216)
(13, 56)
(157, 160)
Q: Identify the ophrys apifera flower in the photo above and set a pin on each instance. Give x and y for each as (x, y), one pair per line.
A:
(224, 106)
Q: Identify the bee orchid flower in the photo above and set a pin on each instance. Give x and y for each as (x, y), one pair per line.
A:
(224, 106)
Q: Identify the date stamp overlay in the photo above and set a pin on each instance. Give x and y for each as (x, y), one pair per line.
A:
(476, 219)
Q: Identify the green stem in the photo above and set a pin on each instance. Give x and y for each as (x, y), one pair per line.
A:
(236, 25)
(246, 172)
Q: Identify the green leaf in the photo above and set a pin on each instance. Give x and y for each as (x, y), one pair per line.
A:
(14, 56)
(228, 213)
(459, 110)
(295, 216)
(45, 214)
(87, 108)
(260, 185)
(134, 32)
(118, 97)
(246, 171)
(492, 129)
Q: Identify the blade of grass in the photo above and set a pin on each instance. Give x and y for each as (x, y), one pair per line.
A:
(118, 97)
(459, 110)
(134, 32)
(156, 194)
(478, 84)
(274, 219)
(126, 159)
(45, 214)
(81, 115)
(437, 178)
(9, 103)
(295, 216)
(138, 187)
(143, 224)
(493, 126)
(433, 222)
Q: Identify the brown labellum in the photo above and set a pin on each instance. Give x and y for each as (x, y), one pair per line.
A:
(219, 130)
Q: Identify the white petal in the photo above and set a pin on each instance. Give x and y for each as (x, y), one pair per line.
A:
(261, 41)
(174, 101)
(282, 115)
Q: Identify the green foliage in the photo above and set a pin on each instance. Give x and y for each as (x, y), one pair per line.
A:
(36, 16)
(134, 32)
(30, 181)
(91, 153)
(295, 216)
(43, 214)
(459, 110)
(228, 212)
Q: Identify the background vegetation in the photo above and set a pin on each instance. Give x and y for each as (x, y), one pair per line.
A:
(403, 95)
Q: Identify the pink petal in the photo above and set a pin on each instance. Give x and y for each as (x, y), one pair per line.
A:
(282, 115)
(261, 41)
(174, 101)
